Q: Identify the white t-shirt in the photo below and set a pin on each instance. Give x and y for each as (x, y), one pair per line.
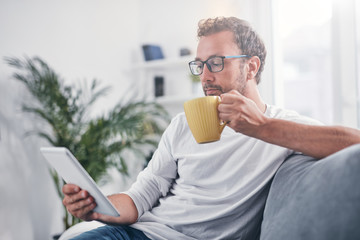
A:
(207, 191)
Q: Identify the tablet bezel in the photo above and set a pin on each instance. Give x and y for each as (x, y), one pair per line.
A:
(69, 168)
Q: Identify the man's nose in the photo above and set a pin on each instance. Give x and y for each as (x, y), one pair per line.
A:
(206, 75)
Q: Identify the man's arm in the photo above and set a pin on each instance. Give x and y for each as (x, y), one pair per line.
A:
(244, 116)
(315, 141)
(80, 204)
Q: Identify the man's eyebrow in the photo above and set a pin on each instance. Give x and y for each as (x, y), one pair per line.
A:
(199, 59)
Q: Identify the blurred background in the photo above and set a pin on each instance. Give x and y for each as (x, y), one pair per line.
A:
(312, 67)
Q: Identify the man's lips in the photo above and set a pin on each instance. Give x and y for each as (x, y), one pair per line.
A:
(212, 91)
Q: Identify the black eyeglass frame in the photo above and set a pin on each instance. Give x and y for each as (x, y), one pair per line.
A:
(209, 66)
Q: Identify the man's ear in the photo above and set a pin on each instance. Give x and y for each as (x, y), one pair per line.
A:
(253, 67)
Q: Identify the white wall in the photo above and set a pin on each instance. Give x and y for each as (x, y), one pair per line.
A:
(29, 206)
(345, 63)
(82, 39)
(79, 39)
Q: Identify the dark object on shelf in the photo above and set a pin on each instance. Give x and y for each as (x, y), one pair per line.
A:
(152, 52)
(184, 51)
(159, 86)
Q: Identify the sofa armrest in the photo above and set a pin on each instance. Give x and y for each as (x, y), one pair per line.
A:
(79, 229)
(315, 199)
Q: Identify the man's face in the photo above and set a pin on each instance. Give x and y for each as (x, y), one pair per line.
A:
(232, 76)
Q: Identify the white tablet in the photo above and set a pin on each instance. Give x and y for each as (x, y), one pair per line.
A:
(69, 168)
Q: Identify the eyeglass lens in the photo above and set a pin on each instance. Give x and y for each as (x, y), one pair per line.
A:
(214, 64)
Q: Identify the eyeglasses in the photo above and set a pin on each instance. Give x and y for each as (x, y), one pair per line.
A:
(214, 64)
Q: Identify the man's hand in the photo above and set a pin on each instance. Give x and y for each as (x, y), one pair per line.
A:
(241, 113)
(78, 202)
(81, 205)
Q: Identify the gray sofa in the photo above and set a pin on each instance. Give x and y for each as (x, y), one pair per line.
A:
(315, 199)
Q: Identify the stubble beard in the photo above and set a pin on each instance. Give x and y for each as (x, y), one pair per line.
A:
(241, 87)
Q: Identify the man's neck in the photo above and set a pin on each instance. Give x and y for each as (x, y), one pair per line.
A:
(253, 93)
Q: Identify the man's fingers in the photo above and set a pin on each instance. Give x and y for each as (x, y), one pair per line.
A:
(82, 206)
(75, 197)
(70, 189)
(91, 216)
(229, 96)
(85, 214)
(82, 209)
(79, 202)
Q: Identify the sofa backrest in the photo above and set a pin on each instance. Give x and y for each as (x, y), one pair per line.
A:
(315, 199)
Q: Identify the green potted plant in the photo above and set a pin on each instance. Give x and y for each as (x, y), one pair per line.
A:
(98, 143)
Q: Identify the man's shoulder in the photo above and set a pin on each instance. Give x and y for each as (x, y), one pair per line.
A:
(179, 118)
(273, 111)
(178, 122)
(290, 115)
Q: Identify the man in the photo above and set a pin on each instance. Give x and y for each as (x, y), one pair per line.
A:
(215, 190)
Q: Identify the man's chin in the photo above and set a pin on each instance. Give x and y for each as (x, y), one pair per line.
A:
(213, 93)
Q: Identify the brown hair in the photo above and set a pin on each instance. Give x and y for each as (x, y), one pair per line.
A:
(248, 41)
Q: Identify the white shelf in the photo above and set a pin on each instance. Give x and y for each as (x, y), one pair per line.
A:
(165, 63)
(177, 84)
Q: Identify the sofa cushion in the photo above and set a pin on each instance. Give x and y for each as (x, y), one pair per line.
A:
(315, 199)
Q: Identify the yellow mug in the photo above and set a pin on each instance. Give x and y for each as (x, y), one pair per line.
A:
(202, 117)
